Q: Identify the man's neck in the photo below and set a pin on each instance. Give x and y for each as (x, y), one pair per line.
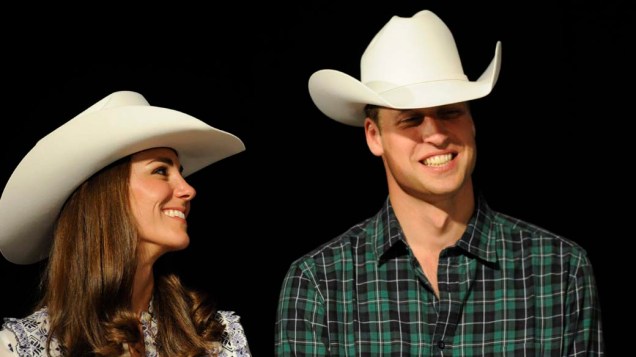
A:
(436, 223)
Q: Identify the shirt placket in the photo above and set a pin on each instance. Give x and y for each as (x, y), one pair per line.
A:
(455, 274)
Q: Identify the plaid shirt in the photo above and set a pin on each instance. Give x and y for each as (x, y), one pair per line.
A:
(507, 288)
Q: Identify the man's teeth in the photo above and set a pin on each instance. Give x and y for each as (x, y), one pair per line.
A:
(174, 213)
(438, 160)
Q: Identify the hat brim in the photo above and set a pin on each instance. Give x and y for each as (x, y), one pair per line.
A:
(61, 161)
(343, 97)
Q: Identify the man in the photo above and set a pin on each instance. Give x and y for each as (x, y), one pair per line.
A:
(436, 271)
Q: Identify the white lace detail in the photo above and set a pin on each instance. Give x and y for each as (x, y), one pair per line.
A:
(234, 339)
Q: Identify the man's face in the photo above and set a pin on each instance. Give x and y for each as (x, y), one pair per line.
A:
(428, 153)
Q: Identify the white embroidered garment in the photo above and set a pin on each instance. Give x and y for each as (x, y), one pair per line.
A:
(27, 336)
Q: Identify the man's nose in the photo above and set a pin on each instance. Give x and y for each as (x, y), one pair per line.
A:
(434, 131)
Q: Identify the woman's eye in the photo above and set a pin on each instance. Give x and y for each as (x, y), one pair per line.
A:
(160, 171)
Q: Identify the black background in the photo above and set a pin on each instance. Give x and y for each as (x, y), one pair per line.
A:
(553, 145)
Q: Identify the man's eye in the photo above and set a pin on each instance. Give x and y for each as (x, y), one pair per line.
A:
(411, 121)
(450, 114)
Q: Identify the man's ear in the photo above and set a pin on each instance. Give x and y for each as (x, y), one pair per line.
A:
(374, 137)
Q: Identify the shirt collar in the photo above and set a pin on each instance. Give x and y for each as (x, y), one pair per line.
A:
(386, 232)
(478, 239)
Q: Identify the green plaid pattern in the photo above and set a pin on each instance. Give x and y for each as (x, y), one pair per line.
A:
(507, 288)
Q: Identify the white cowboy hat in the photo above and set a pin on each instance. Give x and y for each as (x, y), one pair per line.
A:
(411, 63)
(121, 124)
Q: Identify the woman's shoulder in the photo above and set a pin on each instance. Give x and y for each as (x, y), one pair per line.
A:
(37, 321)
(27, 336)
(234, 339)
(228, 317)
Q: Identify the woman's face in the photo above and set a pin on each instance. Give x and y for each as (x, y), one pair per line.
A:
(160, 200)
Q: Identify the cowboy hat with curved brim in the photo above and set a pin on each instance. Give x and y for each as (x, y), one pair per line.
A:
(119, 125)
(411, 63)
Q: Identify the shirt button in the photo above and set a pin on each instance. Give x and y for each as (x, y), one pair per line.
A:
(441, 345)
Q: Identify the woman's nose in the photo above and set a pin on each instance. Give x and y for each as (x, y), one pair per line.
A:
(184, 190)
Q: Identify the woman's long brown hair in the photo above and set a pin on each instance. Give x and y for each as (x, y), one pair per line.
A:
(89, 279)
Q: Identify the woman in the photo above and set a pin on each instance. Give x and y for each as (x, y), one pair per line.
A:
(115, 201)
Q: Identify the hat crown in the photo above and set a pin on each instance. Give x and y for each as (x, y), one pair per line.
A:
(411, 50)
(117, 99)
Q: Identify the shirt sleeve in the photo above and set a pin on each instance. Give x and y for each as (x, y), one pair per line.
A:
(300, 323)
(584, 332)
(8, 344)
